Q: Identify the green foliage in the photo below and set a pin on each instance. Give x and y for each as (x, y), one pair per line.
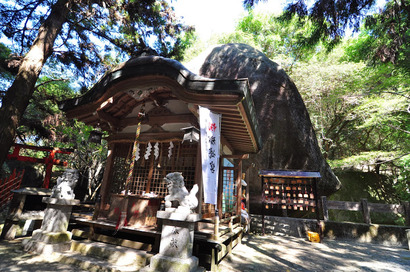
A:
(358, 107)
(5, 75)
(279, 40)
(4, 55)
(329, 18)
(88, 157)
(42, 113)
(374, 187)
(361, 161)
(384, 37)
(402, 185)
(44, 124)
(97, 32)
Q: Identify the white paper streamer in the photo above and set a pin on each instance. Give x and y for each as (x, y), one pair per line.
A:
(148, 151)
(156, 150)
(137, 153)
(171, 146)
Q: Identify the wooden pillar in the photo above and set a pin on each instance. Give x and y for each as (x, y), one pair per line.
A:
(365, 211)
(263, 204)
(220, 187)
(198, 178)
(406, 208)
(239, 187)
(107, 176)
(12, 221)
(150, 174)
(49, 168)
(325, 209)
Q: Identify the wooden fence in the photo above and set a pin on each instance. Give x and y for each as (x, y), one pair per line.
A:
(365, 208)
(13, 182)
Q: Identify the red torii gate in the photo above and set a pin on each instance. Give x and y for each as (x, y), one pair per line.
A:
(48, 161)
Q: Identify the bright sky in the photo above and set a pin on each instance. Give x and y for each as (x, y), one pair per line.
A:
(220, 16)
(217, 16)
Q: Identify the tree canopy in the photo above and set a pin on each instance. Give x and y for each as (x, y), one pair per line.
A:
(95, 34)
(387, 30)
(83, 37)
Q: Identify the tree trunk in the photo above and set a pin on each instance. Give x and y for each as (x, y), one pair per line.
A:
(18, 95)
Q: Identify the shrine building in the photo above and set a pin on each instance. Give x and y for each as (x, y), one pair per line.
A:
(160, 98)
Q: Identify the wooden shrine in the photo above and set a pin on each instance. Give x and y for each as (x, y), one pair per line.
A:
(168, 97)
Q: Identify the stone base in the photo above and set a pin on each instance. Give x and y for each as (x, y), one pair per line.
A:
(43, 242)
(161, 263)
(408, 237)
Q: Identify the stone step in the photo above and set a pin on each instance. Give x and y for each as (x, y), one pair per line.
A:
(93, 264)
(116, 255)
(96, 256)
(79, 234)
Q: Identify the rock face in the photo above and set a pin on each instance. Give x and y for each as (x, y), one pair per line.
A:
(289, 141)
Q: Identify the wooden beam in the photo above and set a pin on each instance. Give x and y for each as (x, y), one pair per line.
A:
(113, 122)
(239, 156)
(160, 120)
(146, 137)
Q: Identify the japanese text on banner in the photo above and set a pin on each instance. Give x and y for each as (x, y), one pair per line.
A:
(210, 124)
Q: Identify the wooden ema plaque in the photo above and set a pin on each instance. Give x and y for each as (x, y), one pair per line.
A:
(289, 191)
(293, 194)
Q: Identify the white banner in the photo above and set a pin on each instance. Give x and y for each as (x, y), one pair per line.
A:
(210, 124)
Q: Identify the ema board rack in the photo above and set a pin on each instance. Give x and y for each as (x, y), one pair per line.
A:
(289, 191)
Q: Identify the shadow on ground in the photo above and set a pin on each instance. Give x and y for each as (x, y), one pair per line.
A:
(14, 259)
(256, 253)
(284, 253)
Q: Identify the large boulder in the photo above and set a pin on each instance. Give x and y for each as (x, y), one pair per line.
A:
(289, 141)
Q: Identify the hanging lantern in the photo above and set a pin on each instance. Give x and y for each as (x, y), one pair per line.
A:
(95, 136)
(191, 134)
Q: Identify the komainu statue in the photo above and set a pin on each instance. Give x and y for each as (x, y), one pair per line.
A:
(65, 185)
(178, 192)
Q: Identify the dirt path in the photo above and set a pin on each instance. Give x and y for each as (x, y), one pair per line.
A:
(276, 253)
(256, 254)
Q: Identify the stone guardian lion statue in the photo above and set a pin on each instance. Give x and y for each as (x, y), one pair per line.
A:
(65, 185)
(177, 191)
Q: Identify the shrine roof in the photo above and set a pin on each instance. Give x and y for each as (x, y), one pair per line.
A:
(135, 80)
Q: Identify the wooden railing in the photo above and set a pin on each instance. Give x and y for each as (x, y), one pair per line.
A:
(13, 182)
(365, 208)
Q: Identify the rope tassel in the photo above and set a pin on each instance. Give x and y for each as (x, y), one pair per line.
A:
(122, 219)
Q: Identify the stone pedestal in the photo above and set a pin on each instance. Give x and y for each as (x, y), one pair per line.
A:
(53, 235)
(408, 237)
(17, 213)
(177, 238)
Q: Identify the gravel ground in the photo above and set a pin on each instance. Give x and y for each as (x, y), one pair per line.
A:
(284, 253)
(256, 253)
(14, 259)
